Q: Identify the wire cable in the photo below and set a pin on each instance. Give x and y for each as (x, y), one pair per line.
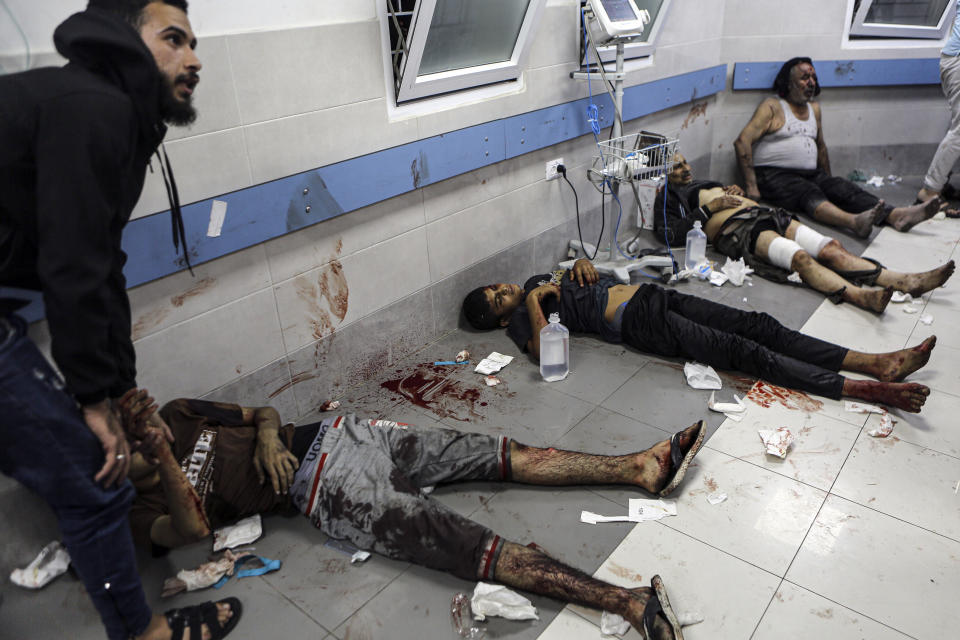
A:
(26, 43)
(576, 200)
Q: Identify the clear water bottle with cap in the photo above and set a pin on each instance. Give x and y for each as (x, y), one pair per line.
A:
(554, 350)
(696, 252)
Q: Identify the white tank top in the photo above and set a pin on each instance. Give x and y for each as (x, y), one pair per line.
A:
(792, 146)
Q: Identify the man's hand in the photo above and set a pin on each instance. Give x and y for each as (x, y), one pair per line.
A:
(104, 424)
(733, 190)
(584, 272)
(135, 407)
(544, 291)
(723, 202)
(272, 459)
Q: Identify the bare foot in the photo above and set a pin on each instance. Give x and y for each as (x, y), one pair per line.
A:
(634, 615)
(904, 218)
(917, 284)
(652, 467)
(863, 224)
(908, 396)
(875, 300)
(895, 366)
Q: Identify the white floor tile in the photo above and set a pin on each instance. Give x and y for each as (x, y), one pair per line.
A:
(798, 614)
(730, 594)
(764, 519)
(934, 427)
(905, 481)
(817, 454)
(946, 320)
(853, 336)
(764, 396)
(898, 574)
(893, 320)
(569, 626)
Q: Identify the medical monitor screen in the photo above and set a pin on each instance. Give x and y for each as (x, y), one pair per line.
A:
(619, 10)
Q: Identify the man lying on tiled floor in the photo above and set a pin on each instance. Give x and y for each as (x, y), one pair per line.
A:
(361, 480)
(774, 243)
(668, 323)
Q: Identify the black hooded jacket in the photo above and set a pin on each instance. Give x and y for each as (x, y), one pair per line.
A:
(75, 143)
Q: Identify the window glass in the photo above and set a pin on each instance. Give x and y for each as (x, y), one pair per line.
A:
(919, 13)
(470, 33)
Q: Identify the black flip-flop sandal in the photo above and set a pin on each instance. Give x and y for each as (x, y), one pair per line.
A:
(862, 277)
(657, 604)
(679, 462)
(194, 617)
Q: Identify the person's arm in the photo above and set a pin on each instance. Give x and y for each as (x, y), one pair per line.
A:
(823, 158)
(734, 190)
(673, 230)
(584, 272)
(758, 127)
(537, 320)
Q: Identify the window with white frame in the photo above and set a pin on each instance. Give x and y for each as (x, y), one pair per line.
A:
(642, 46)
(440, 46)
(902, 18)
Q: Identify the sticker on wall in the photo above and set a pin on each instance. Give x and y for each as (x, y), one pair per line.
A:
(218, 213)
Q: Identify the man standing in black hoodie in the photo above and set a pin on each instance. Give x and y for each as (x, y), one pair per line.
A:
(74, 147)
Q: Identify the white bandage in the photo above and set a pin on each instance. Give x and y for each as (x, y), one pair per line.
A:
(781, 252)
(811, 241)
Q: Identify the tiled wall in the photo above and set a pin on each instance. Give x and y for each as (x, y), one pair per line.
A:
(301, 318)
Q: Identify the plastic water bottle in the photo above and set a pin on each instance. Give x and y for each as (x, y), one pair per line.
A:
(696, 252)
(554, 350)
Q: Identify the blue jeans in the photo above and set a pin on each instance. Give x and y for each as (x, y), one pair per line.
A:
(46, 446)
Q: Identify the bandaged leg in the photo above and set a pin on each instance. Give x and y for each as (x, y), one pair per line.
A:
(781, 252)
(811, 241)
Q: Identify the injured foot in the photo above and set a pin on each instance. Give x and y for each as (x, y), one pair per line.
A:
(653, 471)
(908, 396)
(894, 367)
(863, 222)
(634, 615)
(875, 300)
(904, 218)
(917, 284)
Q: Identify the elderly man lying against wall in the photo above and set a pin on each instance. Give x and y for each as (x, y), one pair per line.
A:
(774, 243)
(667, 323)
(784, 159)
(361, 480)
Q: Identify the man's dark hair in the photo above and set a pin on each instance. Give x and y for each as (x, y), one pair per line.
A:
(131, 11)
(479, 313)
(782, 82)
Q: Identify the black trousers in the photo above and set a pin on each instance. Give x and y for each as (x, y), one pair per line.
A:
(806, 189)
(668, 323)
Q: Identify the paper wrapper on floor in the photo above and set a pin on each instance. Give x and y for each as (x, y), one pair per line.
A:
(242, 532)
(493, 363)
(51, 562)
(206, 575)
(701, 376)
(497, 600)
(885, 428)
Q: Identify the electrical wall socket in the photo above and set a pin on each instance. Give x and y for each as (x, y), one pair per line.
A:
(551, 170)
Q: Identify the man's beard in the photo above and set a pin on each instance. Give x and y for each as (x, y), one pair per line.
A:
(174, 111)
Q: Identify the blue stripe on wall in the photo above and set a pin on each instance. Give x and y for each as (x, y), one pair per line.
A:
(272, 209)
(844, 73)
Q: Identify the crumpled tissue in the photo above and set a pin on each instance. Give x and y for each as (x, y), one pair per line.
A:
(726, 407)
(701, 376)
(463, 356)
(51, 562)
(736, 270)
(795, 277)
(860, 407)
(900, 296)
(612, 624)
(875, 181)
(497, 600)
(885, 427)
(911, 308)
(206, 575)
(241, 532)
(717, 278)
(493, 363)
(777, 441)
(716, 498)
(926, 319)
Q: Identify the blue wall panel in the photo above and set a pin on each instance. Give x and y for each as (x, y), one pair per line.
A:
(845, 73)
(269, 210)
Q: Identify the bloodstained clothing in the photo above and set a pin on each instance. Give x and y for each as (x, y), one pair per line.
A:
(361, 480)
(215, 451)
(581, 309)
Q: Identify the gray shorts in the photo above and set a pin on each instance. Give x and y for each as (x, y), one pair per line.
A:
(369, 492)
